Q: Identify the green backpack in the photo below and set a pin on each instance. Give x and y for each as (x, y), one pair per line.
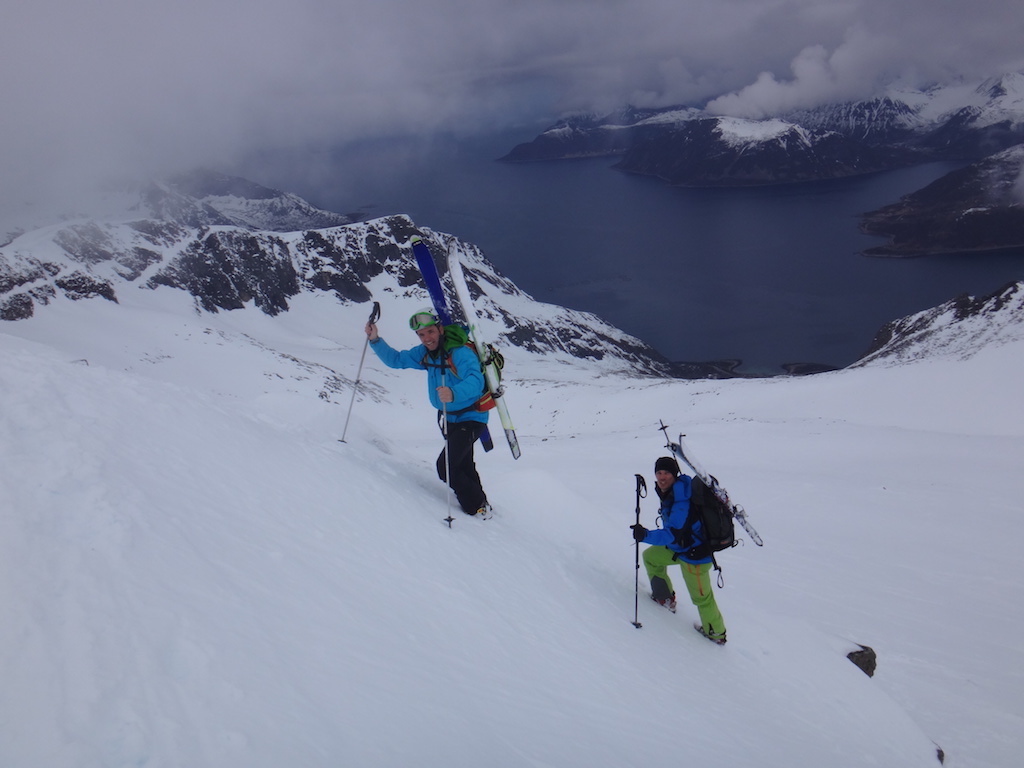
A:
(457, 335)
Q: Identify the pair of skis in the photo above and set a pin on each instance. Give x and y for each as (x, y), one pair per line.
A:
(681, 452)
(492, 374)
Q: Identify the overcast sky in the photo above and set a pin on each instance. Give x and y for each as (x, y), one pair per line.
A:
(90, 86)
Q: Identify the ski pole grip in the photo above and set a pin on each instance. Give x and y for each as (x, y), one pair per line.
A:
(641, 486)
(375, 313)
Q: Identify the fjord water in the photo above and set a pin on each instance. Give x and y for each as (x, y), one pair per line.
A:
(766, 275)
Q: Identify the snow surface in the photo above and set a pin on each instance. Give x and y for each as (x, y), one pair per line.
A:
(740, 132)
(195, 572)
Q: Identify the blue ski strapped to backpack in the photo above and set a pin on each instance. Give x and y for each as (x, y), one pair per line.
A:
(491, 361)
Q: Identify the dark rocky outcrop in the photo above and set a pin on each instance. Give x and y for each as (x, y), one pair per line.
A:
(976, 208)
(865, 659)
(228, 269)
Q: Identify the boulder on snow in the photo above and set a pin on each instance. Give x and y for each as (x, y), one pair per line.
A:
(865, 659)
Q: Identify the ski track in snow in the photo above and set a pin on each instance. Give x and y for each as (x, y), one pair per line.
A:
(194, 571)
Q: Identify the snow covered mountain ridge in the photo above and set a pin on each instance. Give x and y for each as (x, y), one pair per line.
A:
(197, 198)
(229, 243)
(959, 328)
(934, 113)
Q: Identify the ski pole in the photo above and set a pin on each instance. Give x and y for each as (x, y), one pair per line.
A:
(641, 492)
(374, 316)
(447, 446)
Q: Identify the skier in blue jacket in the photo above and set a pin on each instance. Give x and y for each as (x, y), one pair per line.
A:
(454, 384)
(672, 545)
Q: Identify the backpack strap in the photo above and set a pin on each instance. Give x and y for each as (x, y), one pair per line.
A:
(446, 363)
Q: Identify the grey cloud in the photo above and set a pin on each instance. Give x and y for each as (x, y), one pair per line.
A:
(119, 86)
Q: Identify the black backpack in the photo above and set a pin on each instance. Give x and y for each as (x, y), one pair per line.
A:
(717, 530)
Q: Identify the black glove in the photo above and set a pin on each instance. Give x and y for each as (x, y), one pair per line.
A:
(639, 532)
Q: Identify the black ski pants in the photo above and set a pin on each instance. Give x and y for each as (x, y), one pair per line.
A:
(465, 480)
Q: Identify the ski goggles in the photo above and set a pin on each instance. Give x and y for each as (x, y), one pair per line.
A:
(422, 320)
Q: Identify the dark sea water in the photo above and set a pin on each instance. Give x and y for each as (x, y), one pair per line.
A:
(770, 276)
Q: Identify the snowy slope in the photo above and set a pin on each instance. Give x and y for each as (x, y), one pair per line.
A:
(194, 571)
(959, 328)
(743, 133)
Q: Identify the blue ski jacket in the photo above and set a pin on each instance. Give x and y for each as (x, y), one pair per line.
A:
(466, 381)
(679, 531)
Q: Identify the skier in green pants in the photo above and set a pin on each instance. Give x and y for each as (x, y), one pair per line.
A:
(675, 544)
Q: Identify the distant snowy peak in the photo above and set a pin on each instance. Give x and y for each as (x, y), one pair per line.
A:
(901, 112)
(959, 328)
(875, 121)
(200, 198)
(737, 132)
(964, 120)
(1006, 92)
(991, 101)
(208, 198)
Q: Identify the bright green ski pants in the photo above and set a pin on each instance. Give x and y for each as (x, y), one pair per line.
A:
(698, 584)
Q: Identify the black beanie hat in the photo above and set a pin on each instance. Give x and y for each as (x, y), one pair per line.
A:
(667, 464)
